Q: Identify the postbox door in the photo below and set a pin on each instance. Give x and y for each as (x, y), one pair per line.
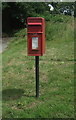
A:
(35, 44)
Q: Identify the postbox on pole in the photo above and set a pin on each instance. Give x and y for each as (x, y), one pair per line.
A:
(36, 42)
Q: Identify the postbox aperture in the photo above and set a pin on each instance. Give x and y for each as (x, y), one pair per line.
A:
(36, 36)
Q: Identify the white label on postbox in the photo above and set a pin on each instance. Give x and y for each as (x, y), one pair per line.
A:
(34, 42)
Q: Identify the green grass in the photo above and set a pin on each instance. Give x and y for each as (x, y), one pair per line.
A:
(56, 75)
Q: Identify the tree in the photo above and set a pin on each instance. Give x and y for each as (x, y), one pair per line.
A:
(14, 14)
(59, 7)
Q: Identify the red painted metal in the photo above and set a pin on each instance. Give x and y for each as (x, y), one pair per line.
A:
(36, 29)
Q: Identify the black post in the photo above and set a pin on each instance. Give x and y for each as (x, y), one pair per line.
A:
(37, 75)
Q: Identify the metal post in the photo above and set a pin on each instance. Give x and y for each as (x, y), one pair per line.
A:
(37, 75)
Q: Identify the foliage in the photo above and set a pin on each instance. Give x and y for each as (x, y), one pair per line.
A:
(20, 33)
(75, 10)
(59, 7)
(14, 14)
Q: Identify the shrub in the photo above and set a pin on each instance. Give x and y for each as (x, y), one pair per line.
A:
(21, 33)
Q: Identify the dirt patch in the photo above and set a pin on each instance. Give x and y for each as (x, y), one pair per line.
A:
(34, 104)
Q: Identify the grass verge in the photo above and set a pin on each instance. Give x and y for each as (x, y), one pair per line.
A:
(56, 75)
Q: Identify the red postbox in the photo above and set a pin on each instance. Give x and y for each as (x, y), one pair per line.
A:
(36, 36)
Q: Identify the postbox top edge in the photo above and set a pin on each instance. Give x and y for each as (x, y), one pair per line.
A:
(35, 18)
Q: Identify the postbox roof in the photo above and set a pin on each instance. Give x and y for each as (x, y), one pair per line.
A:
(34, 20)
